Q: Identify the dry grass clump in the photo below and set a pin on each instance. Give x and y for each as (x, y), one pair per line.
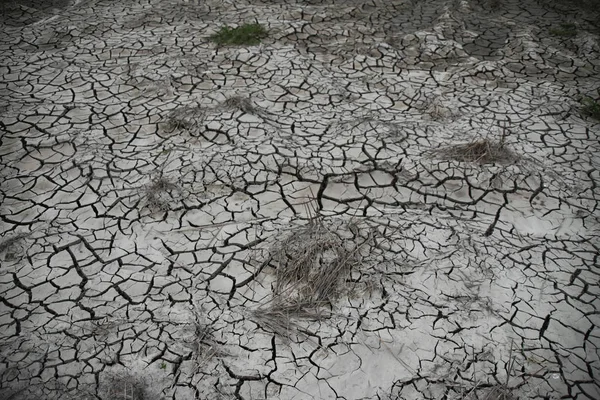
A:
(186, 118)
(243, 104)
(502, 390)
(495, 392)
(204, 345)
(11, 245)
(283, 318)
(482, 151)
(125, 387)
(499, 392)
(312, 265)
(158, 193)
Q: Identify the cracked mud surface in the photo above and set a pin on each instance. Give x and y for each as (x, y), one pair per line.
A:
(154, 186)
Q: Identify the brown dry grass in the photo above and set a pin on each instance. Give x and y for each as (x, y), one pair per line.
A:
(312, 265)
(184, 118)
(125, 387)
(11, 245)
(283, 318)
(503, 390)
(203, 342)
(157, 193)
(240, 103)
(482, 151)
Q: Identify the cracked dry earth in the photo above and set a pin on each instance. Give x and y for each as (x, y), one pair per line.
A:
(157, 192)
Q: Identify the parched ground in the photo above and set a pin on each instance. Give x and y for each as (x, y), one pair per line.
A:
(383, 200)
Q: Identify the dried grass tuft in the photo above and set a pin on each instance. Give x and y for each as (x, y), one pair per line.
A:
(499, 392)
(203, 342)
(125, 387)
(283, 318)
(243, 104)
(503, 390)
(313, 263)
(312, 266)
(495, 392)
(11, 245)
(158, 193)
(483, 151)
(184, 118)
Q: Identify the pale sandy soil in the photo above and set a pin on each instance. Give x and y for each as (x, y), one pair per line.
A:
(155, 188)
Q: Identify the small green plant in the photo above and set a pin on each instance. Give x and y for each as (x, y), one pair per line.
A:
(247, 34)
(564, 30)
(590, 108)
(163, 365)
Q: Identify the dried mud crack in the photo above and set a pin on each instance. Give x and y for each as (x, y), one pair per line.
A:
(299, 199)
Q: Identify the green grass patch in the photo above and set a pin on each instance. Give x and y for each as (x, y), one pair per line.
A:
(247, 34)
(564, 30)
(590, 107)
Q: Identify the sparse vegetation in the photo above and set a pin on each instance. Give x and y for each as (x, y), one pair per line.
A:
(202, 340)
(10, 245)
(247, 34)
(497, 392)
(184, 118)
(438, 111)
(482, 151)
(125, 387)
(564, 30)
(312, 266)
(102, 328)
(590, 108)
(312, 263)
(502, 390)
(158, 193)
(495, 4)
(282, 317)
(240, 103)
